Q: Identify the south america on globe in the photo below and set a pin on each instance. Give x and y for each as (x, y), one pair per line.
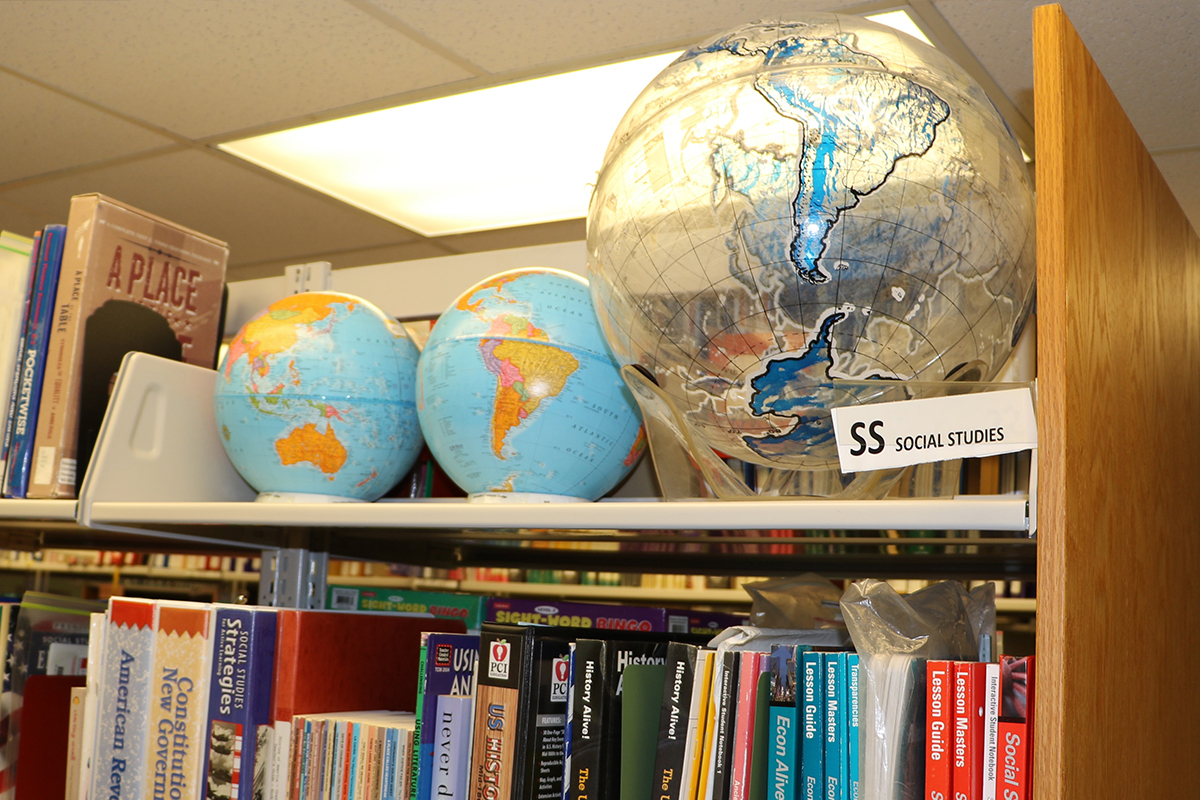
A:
(520, 398)
(799, 215)
(316, 400)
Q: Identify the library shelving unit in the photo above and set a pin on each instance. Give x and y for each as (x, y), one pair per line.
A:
(1119, 446)
(1117, 546)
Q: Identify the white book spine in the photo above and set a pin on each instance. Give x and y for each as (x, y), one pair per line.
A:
(991, 729)
(281, 749)
(686, 787)
(452, 747)
(118, 770)
(95, 668)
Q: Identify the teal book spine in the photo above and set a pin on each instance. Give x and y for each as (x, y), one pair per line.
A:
(811, 696)
(351, 778)
(852, 728)
(782, 766)
(835, 726)
(782, 736)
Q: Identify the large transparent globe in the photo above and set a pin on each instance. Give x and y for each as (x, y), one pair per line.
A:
(795, 216)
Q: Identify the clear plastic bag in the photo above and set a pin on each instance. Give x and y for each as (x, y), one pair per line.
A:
(803, 602)
(895, 635)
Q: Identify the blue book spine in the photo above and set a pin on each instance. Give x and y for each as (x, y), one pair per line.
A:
(450, 660)
(811, 696)
(566, 787)
(852, 718)
(835, 726)
(352, 778)
(239, 706)
(18, 360)
(388, 776)
(308, 748)
(33, 361)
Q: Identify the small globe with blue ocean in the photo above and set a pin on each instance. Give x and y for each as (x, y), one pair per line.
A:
(519, 396)
(316, 400)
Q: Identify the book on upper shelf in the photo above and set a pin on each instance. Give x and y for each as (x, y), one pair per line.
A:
(10, 380)
(24, 399)
(130, 281)
(16, 257)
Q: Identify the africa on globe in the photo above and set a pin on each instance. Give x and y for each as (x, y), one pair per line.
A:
(316, 400)
(519, 397)
(800, 215)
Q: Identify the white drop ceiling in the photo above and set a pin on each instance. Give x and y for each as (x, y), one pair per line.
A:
(130, 97)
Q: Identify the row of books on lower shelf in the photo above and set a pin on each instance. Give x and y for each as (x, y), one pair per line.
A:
(979, 729)
(51, 559)
(218, 701)
(525, 713)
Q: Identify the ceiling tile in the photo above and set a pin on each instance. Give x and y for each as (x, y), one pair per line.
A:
(514, 35)
(42, 131)
(1149, 54)
(1182, 172)
(261, 217)
(203, 69)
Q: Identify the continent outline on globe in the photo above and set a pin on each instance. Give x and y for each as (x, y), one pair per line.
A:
(516, 384)
(755, 269)
(316, 396)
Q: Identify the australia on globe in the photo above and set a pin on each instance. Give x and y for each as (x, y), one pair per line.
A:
(799, 215)
(316, 399)
(519, 395)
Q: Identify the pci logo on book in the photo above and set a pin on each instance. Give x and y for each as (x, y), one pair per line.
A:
(498, 655)
(558, 685)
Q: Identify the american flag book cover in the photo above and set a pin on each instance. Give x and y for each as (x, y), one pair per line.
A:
(119, 763)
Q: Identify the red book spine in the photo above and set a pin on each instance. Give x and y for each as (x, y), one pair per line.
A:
(1013, 762)
(743, 736)
(969, 679)
(939, 729)
(1030, 706)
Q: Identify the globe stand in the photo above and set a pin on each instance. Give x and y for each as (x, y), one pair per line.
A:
(687, 468)
(303, 497)
(522, 497)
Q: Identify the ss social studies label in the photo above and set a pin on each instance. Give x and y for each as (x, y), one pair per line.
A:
(898, 434)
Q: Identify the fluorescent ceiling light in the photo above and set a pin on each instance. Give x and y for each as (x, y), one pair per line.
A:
(508, 155)
(902, 21)
(515, 154)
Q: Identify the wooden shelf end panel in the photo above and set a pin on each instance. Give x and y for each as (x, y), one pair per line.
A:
(1119, 445)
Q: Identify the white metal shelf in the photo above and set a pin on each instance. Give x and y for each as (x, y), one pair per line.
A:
(989, 513)
(159, 477)
(38, 510)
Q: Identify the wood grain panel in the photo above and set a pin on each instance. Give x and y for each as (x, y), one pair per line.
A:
(1119, 407)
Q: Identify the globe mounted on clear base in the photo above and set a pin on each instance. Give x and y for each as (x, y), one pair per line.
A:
(800, 215)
